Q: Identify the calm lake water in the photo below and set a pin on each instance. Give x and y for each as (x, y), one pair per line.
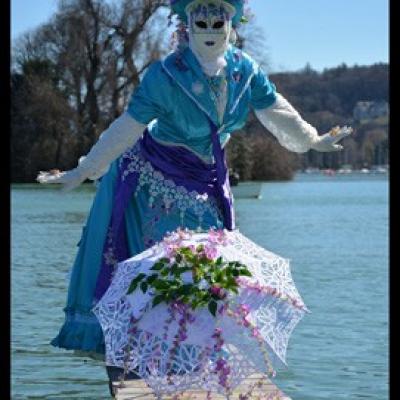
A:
(334, 230)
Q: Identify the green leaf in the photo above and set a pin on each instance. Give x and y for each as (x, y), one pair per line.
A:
(174, 286)
(185, 289)
(164, 272)
(158, 299)
(160, 284)
(245, 272)
(144, 286)
(175, 269)
(135, 282)
(158, 266)
(132, 287)
(185, 251)
(204, 261)
(185, 299)
(139, 278)
(218, 276)
(195, 303)
(212, 307)
(152, 278)
(168, 296)
(231, 282)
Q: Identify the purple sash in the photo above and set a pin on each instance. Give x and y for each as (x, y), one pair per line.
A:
(181, 166)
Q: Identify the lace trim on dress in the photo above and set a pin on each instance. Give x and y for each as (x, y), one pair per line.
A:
(172, 195)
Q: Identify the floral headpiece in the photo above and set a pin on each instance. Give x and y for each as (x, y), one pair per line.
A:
(179, 7)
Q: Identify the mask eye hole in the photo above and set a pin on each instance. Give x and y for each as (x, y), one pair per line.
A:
(201, 24)
(218, 24)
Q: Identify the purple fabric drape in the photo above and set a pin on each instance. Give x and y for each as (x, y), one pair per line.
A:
(223, 187)
(181, 166)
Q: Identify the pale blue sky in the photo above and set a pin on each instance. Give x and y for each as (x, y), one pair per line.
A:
(324, 33)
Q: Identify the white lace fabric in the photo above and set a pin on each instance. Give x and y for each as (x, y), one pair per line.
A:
(286, 124)
(147, 351)
(173, 196)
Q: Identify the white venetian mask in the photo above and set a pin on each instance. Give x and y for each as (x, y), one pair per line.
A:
(210, 25)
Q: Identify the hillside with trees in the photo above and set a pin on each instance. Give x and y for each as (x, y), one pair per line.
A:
(73, 76)
(324, 99)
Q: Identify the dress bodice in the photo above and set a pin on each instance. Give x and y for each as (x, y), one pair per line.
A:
(176, 100)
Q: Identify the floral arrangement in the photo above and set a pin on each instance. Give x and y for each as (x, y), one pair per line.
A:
(213, 279)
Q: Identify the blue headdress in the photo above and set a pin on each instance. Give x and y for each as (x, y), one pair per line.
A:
(179, 6)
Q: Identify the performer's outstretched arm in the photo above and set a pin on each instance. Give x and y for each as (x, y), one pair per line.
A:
(120, 135)
(295, 134)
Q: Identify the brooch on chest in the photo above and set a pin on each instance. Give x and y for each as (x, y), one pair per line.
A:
(197, 88)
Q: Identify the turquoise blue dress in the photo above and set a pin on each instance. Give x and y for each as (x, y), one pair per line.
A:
(175, 100)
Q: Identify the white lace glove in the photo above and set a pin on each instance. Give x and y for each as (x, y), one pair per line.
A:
(120, 135)
(295, 134)
(69, 179)
(328, 142)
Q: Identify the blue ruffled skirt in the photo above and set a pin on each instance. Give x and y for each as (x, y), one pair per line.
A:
(148, 217)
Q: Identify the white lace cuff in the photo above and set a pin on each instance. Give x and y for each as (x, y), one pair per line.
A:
(120, 135)
(286, 124)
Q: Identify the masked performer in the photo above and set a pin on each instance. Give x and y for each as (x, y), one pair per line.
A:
(162, 162)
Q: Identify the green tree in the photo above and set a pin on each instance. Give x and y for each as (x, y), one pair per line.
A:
(41, 119)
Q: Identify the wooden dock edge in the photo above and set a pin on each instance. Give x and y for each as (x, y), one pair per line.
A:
(138, 390)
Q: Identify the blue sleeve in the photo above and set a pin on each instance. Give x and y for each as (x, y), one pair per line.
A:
(263, 92)
(148, 100)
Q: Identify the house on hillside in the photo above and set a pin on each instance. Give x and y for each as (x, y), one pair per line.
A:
(367, 110)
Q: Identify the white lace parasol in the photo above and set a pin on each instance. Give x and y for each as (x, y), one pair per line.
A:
(147, 349)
